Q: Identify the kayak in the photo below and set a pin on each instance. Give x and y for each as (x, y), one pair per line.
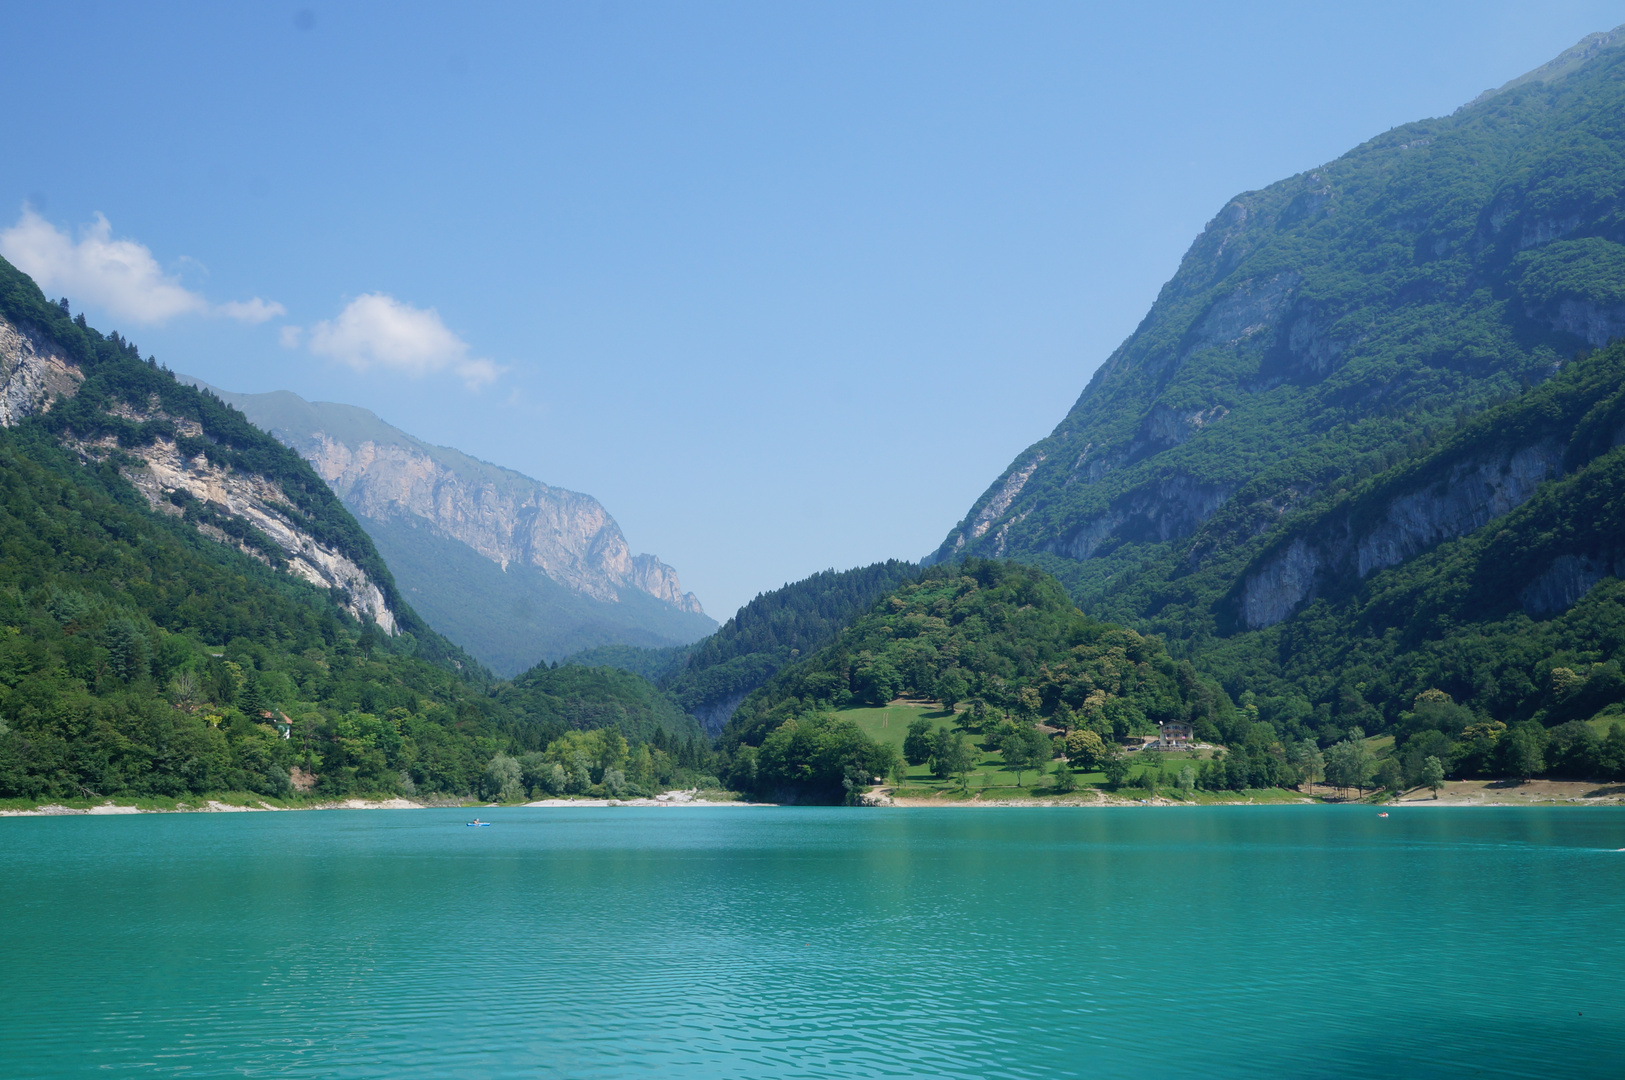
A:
(479, 824)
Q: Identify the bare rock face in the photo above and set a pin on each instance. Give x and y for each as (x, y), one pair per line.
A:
(384, 474)
(163, 469)
(33, 372)
(1476, 491)
(506, 517)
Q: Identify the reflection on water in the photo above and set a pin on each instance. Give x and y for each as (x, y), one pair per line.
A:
(1312, 941)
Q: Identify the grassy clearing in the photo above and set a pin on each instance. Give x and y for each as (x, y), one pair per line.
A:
(991, 780)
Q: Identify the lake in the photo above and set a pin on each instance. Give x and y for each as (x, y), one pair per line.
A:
(799, 942)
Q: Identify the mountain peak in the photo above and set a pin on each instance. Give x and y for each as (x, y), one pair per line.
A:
(1562, 65)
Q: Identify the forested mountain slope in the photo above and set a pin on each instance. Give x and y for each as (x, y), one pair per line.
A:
(710, 678)
(1522, 619)
(516, 571)
(1325, 329)
(186, 608)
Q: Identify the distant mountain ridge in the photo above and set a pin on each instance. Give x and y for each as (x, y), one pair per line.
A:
(710, 678)
(552, 573)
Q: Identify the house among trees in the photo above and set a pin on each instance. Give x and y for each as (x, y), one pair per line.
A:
(1174, 735)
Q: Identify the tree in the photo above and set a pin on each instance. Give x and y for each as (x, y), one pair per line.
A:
(951, 688)
(1523, 749)
(954, 757)
(641, 769)
(1064, 781)
(1350, 764)
(1063, 717)
(1024, 748)
(876, 682)
(501, 781)
(1187, 779)
(919, 743)
(1309, 760)
(899, 773)
(1116, 769)
(1433, 774)
(1085, 748)
(1388, 775)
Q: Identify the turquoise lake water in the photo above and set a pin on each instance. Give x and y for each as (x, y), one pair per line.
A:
(796, 942)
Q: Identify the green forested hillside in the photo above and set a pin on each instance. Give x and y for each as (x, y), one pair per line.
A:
(141, 656)
(1359, 463)
(1521, 622)
(711, 677)
(138, 657)
(574, 696)
(999, 634)
(1323, 330)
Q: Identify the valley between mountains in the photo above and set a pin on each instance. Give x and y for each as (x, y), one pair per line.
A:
(1344, 516)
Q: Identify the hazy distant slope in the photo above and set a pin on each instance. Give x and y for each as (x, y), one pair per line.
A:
(517, 571)
(710, 678)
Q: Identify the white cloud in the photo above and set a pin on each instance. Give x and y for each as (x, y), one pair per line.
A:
(119, 276)
(290, 336)
(253, 311)
(378, 331)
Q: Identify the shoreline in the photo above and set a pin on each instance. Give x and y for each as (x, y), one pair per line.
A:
(1456, 793)
(111, 808)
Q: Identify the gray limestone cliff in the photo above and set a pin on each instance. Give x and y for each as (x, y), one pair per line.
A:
(34, 373)
(559, 576)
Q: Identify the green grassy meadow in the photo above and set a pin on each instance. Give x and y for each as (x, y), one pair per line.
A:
(991, 779)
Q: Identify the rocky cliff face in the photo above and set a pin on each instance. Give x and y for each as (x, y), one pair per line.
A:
(34, 372)
(382, 473)
(504, 516)
(1342, 547)
(517, 571)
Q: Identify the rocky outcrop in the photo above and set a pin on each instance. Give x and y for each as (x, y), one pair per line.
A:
(1003, 497)
(384, 474)
(161, 469)
(506, 518)
(1597, 324)
(1355, 543)
(1563, 583)
(33, 372)
(1171, 508)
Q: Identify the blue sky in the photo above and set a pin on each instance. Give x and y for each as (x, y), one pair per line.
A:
(784, 286)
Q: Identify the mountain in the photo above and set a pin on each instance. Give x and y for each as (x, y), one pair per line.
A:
(1363, 462)
(711, 677)
(1321, 331)
(515, 570)
(1395, 593)
(188, 609)
(188, 455)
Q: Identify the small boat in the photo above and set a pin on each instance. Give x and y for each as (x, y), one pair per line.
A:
(1383, 814)
(478, 824)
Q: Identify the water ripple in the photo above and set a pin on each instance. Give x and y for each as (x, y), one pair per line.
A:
(809, 943)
